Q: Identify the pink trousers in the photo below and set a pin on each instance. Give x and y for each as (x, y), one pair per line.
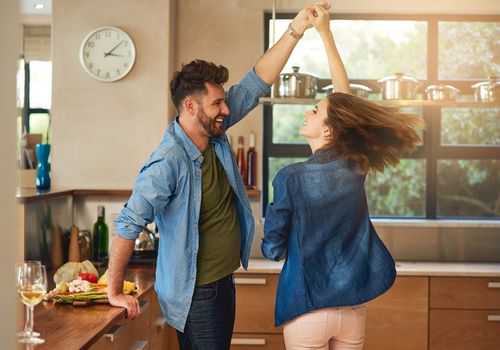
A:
(339, 328)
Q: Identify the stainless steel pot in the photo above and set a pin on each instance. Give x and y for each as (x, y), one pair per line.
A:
(356, 89)
(145, 241)
(398, 87)
(487, 90)
(441, 92)
(297, 84)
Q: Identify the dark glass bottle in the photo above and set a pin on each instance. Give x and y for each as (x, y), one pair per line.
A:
(251, 163)
(100, 236)
(240, 159)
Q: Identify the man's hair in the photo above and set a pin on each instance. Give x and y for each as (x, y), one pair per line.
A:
(192, 77)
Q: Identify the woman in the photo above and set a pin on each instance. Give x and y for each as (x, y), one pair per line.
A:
(319, 220)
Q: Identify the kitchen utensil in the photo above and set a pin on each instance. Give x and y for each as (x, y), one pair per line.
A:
(74, 248)
(145, 245)
(398, 87)
(487, 90)
(84, 241)
(295, 84)
(356, 89)
(441, 92)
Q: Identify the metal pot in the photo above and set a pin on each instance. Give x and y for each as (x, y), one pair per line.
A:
(441, 92)
(297, 84)
(145, 241)
(487, 90)
(398, 87)
(356, 89)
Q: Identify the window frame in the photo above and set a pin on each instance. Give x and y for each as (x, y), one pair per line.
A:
(27, 110)
(432, 150)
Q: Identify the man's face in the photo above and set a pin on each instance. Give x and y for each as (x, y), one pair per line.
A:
(212, 109)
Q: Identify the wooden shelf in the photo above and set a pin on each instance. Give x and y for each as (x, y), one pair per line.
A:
(417, 103)
(31, 194)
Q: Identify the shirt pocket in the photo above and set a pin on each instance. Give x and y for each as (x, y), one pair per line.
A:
(205, 293)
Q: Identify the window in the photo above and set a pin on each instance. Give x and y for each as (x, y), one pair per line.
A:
(454, 173)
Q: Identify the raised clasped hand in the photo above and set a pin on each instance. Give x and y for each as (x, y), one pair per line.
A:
(319, 17)
(303, 21)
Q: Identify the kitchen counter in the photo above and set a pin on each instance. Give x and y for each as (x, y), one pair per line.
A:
(402, 268)
(72, 328)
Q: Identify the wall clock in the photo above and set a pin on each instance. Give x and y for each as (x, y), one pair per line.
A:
(107, 54)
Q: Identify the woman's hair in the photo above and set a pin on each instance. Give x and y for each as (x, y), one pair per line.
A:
(368, 135)
(192, 77)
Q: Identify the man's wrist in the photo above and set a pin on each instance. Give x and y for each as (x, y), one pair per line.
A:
(294, 33)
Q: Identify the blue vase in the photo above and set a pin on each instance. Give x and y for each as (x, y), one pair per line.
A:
(42, 171)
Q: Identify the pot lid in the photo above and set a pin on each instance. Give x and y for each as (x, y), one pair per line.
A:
(397, 76)
(492, 81)
(297, 74)
(352, 86)
(441, 87)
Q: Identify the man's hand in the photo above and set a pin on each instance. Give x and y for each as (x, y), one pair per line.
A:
(126, 301)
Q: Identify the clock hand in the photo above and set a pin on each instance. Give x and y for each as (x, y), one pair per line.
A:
(106, 54)
(113, 54)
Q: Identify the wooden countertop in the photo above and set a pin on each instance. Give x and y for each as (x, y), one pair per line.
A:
(70, 327)
(403, 268)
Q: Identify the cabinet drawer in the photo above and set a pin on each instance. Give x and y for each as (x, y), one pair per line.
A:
(464, 329)
(465, 293)
(255, 296)
(398, 319)
(257, 341)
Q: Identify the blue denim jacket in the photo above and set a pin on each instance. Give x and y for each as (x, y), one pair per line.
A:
(319, 221)
(168, 191)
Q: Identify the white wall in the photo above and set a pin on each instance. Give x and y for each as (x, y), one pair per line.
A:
(103, 132)
(9, 37)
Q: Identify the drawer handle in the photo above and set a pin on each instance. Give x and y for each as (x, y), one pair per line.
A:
(113, 333)
(140, 345)
(142, 304)
(250, 281)
(247, 341)
(160, 322)
(493, 284)
(494, 318)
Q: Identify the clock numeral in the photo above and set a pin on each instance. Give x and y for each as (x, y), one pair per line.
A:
(107, 75)
(125, 65)
(126, 43)
(98, 36)
(117, 71)
(90, 44)
(91, 65)
(87, 54)
(98, 72)
(108, 34)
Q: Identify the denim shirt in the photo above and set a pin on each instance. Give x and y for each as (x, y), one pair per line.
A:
(319, 222)
(168, 190)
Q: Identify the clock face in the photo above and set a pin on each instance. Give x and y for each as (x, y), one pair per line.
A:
(107, 54)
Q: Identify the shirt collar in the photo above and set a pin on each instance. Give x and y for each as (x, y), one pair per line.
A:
(193, 152)
(324, 156)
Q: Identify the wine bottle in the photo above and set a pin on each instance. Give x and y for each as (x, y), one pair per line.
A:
(251, 163)
(100, 236)
(240, 159)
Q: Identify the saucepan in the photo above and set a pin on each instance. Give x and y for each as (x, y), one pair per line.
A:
(295, 84)
(441, 92)
(398, 87)
(487, 90)
(356, 89)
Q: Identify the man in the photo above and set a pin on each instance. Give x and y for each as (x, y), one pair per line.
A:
(191, 187)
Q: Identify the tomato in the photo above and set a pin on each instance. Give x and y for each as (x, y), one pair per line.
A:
(91, 277)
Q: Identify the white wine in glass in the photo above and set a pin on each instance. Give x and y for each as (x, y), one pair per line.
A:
(31, 280)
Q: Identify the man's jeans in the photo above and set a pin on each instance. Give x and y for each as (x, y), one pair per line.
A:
(210, 322)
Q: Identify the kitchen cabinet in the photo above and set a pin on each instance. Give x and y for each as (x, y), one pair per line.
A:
(126, 334)
(163, 336)
(464, 313)
(398, 318)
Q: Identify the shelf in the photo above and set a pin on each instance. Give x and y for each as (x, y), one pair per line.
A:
(31, 194)
(421, 103)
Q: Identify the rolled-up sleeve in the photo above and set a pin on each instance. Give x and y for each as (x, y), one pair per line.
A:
(244, 96)
(151, 193)
(278, 222)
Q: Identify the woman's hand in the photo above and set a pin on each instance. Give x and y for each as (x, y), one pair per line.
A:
(302, 21)
(319, 18)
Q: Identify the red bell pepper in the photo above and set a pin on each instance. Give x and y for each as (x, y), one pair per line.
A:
(91, 277)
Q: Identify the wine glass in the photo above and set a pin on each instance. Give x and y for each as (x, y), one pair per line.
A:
(26, 333)
(31, 280)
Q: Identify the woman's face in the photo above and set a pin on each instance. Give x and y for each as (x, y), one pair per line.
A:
(313, 126)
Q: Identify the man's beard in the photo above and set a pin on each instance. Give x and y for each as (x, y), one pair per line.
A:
(208, 123)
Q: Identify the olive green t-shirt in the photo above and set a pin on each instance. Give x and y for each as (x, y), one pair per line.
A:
(219, 227)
